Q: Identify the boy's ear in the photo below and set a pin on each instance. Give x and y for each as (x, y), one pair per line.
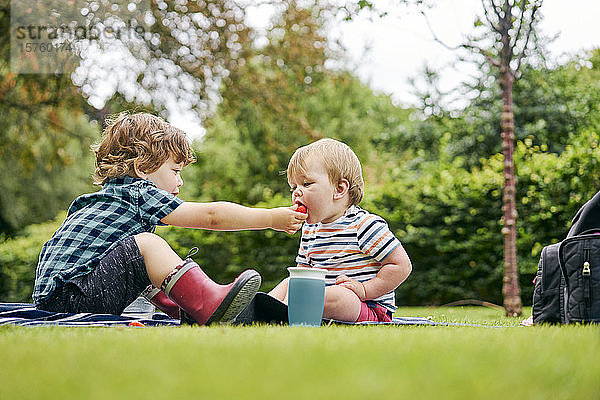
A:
(341, 189)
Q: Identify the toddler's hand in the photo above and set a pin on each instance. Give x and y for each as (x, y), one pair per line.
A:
(287, 219)
(352, 284)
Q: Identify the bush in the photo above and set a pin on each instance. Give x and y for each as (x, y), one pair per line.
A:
(449, 218)
(18, 260)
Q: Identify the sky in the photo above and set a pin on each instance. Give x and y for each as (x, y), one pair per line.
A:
(401, 44)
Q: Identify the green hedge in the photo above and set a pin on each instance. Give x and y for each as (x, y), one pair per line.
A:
(18, 259)
(447, 216)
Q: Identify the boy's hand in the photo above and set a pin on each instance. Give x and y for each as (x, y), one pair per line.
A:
(357, 287)
(287, 219)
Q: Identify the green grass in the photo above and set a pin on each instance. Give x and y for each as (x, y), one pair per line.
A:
(277, 362)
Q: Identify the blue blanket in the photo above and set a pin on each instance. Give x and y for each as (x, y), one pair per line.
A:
(27, 315)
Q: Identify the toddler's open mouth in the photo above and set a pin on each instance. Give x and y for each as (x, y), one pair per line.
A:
(301, 208)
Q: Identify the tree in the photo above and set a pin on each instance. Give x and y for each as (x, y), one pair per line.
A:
(45, 160)
(512, 25)
(551, 103)
(179, 56)
(282, 98)
(513, 34)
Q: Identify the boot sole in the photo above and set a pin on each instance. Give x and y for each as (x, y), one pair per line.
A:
(240, 295)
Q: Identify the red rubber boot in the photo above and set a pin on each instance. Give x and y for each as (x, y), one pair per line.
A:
(206, 301)
(160, 300)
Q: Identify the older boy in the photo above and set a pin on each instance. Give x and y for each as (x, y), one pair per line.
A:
(104, 254)
(366, 262)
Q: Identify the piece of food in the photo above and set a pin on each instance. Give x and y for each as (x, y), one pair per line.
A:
(301, 208)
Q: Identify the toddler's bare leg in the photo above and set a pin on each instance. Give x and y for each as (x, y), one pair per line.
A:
(280, 292)
(159, 257)
(341, 304)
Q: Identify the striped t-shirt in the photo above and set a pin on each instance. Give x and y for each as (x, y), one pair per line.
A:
(354, 244)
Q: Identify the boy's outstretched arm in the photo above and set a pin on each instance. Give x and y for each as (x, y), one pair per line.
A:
(396, 267)
(225, 216)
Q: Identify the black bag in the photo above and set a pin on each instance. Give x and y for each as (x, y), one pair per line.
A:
(579, 258)
(567, 284)
(549, 291)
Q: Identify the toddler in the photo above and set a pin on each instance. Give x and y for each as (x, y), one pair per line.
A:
(365, 261)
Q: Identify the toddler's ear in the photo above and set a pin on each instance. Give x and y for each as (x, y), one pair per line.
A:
(341, 189)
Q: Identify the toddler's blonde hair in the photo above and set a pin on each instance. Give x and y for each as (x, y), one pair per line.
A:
(339, 161)
(143, 141)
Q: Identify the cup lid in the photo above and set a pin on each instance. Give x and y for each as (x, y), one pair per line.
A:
(306, 272)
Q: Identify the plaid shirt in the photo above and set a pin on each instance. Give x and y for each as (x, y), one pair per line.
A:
(95, 223)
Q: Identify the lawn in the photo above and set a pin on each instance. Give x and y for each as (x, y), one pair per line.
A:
(278, 362)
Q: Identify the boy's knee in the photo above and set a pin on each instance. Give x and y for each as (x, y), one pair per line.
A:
(147, 240)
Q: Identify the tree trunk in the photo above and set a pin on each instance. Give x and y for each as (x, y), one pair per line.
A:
(510, 288)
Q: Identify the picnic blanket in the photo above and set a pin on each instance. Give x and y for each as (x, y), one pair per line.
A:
(26, 314)
(262, 309)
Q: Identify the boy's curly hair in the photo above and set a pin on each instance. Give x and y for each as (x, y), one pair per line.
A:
(139, 141)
